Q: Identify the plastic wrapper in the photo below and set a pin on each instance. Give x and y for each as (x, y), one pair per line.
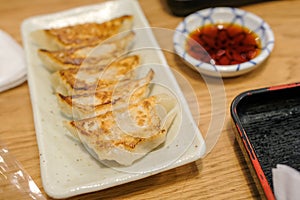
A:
(15, 183)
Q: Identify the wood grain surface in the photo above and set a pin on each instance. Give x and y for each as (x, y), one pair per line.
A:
(223, 173)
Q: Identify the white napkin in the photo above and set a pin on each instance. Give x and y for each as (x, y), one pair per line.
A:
(12, 62)
(286, 182)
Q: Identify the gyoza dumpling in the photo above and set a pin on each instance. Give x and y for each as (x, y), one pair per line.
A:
(89, 56)
(76, 81)
(80, 35)
(103, 136)
(101, 101)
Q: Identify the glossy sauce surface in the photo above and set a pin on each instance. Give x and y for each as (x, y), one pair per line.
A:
(226, 44)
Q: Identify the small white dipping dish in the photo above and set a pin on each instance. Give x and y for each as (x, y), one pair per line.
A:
(223, 15)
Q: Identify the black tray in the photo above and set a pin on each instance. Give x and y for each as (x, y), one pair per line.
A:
(186, 7)
(267, 121)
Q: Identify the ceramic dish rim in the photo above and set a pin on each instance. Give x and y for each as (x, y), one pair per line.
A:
(221, 70)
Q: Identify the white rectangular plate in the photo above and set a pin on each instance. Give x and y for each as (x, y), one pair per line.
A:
(67, 169)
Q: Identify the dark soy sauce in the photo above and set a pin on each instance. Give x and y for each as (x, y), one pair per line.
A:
(226, 44)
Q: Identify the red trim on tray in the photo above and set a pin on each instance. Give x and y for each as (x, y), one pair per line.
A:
(262, 178)
(278, 87)
(234, 110)
(238, 127)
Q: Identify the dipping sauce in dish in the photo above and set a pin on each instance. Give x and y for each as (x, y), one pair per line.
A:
(226, 44)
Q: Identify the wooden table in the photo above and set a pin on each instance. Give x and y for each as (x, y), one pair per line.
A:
(223, 173)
